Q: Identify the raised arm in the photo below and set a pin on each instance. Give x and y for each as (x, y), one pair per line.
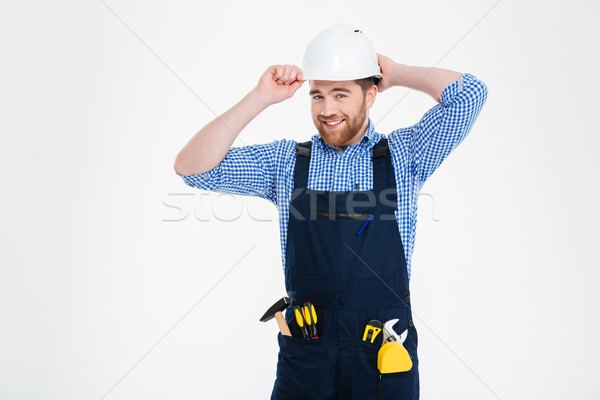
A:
(210, 145)
(442, 128)
(432, 81)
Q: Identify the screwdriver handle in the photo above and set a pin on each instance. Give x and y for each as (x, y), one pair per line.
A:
(310, 316)
(301, 322)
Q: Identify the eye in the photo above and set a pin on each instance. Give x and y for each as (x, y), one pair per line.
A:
(315, 97)
(343, 95)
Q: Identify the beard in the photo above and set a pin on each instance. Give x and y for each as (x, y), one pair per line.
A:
(346, 131)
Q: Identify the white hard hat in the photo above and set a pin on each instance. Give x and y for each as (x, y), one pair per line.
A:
(340, 53)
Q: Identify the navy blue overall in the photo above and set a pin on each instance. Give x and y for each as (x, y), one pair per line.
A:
(353, 269)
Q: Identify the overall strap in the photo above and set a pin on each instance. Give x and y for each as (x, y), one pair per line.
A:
(382, 165)
(302, 164)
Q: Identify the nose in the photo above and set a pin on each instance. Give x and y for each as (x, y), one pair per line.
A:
(329, 108)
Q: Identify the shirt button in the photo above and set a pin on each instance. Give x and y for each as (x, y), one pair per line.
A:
(410, 323)
(341, 302)
(407, 299)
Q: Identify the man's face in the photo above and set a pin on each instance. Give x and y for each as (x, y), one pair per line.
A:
(344, 104)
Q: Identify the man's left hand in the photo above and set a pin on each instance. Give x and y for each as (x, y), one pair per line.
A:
(386, 64)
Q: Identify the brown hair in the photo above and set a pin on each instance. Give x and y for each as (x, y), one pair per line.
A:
(366, 83)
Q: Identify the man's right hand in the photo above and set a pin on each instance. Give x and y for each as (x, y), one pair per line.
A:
(279, 82)
(210, 145)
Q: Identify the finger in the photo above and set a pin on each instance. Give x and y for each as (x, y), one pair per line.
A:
(285, 76)
(291, 77)
(293, 74)
(297, 74)
(279, 75)
(277, 71)
(295, 86)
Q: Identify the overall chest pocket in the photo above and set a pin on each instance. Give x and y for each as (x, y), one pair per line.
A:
(347, 236)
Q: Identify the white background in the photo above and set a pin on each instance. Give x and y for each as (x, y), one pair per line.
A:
(109, 292)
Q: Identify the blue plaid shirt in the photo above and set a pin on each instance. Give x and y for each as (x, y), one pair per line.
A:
(267, 170)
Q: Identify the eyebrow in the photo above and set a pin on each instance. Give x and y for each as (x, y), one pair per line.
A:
(337, 89)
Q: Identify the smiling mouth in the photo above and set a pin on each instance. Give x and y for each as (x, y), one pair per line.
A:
(333, 123)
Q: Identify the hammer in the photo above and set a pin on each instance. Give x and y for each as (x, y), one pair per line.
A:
(275, 311)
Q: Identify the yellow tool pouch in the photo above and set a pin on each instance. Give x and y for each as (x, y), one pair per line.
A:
(393, 357)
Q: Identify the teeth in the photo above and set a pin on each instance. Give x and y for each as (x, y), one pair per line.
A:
(332, 122)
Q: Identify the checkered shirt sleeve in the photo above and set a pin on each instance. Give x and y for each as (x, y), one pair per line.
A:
(445, 126)
(247, 171)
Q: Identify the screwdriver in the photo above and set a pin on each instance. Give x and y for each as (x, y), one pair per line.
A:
(301, 322)
(310, 316)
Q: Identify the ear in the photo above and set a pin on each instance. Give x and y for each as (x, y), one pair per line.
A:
(370, 96)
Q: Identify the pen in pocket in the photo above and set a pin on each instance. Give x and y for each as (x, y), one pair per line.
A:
(365, 224)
